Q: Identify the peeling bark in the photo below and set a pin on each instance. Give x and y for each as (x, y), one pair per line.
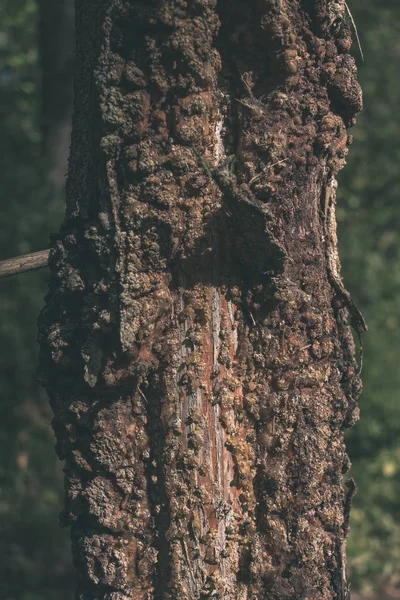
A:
(194, 342)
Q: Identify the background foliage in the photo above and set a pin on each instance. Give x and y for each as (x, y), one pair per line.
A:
(34, 552)
(369, 233)
(35, 560)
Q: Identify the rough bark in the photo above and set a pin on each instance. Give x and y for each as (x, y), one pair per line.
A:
(194, 343)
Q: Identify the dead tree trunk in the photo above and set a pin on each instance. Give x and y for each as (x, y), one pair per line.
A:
(194, 342)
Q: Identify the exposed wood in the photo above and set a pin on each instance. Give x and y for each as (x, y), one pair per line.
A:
(24, 263)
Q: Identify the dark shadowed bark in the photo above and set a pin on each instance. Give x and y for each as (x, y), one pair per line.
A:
(194, 342)
(56, 45)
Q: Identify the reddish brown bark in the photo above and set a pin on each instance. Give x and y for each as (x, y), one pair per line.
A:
(194, 342)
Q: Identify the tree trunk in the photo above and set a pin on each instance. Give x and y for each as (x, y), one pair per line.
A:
(194, 343)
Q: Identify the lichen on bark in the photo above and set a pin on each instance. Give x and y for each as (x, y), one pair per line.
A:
(193, 344)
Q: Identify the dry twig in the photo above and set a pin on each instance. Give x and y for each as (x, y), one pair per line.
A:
(26, 262)
(355, 30)
(265, 169)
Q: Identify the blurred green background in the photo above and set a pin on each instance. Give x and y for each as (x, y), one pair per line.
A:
(36, 59)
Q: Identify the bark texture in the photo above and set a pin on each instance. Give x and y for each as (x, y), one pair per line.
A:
(194, 342)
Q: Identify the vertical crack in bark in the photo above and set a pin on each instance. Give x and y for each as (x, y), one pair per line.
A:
(157, 491)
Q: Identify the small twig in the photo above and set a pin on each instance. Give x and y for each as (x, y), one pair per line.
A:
(361, 351)
(26, 262)
(142, 394)
(355, 30)
(265, 169)
(305, 347)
